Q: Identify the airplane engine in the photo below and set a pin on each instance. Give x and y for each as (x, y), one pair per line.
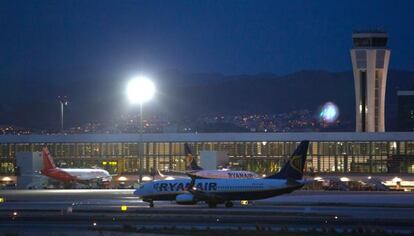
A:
(185, 199)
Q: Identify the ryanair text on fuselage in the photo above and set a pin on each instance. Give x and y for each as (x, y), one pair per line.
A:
(177, 187)
(238, 175)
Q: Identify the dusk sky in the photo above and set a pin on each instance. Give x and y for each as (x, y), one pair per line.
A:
(230, 37)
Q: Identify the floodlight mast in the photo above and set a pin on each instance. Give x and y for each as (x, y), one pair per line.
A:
(63, 100)
(140, 90)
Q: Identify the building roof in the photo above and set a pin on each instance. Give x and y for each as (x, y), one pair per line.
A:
(369, 33)
(205, 137)
(405, 92)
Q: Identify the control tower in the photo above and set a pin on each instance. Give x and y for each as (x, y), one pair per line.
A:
(370, 58)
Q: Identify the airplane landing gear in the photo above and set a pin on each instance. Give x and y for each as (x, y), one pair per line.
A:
(150, 201)
(229, 204)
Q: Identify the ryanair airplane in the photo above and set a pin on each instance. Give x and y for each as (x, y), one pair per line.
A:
(196, 170)
(224, 191)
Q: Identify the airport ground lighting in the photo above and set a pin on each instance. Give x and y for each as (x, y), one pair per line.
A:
(140, 90)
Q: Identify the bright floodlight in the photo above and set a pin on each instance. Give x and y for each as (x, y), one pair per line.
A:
(140, 90)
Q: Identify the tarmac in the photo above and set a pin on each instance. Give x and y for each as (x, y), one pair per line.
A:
(89, 210)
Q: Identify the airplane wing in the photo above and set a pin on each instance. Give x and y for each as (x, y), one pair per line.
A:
(178, 174)
(293, 182)
(97, 180)
(104, 179)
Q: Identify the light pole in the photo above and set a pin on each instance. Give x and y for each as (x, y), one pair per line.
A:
(63, 100)
(140, 90)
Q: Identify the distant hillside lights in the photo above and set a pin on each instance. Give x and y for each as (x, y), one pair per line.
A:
(8, 129)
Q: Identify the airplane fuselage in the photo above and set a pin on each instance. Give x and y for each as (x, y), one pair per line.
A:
(224, 174)
(222, 189)
(78, 175)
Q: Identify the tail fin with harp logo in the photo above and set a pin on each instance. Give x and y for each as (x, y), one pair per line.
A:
(293, 169)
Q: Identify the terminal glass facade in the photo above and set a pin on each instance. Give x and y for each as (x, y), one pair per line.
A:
(406, 110)
(366, 157)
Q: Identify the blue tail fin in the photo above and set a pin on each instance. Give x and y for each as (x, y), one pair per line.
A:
(293, 169)
(192, 163)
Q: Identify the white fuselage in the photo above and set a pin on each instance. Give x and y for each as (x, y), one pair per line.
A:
(225, 174)
(88, 174)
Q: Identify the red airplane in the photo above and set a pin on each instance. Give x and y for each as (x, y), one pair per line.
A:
(72, 175)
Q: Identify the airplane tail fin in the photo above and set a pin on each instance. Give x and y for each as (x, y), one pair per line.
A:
(293, 169)
(190, 158)
(47, 160)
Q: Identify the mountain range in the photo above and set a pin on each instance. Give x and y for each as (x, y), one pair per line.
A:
(30, 99)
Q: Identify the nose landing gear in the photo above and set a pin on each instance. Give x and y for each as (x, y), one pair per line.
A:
(151, 202)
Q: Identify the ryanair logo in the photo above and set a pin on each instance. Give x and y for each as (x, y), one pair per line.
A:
(239, 175)
(181, 186)
(296, 163)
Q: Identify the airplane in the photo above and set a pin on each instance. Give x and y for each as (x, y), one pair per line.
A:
(194, 169)
(72, 175)
(219, 191)
(200, 173)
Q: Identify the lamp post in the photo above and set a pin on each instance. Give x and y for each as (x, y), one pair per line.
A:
(140, 90)
(63, 100)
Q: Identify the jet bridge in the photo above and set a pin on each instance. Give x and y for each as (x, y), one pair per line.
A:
(29, 165)
(213, 160)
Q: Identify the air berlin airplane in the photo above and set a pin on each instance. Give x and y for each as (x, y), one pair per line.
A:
(72, 175)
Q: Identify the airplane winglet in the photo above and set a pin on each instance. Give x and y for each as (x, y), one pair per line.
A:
(159, 173)
(192, 183)
(192, 188)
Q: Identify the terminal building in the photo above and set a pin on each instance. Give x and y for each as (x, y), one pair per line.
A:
(383, 153)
